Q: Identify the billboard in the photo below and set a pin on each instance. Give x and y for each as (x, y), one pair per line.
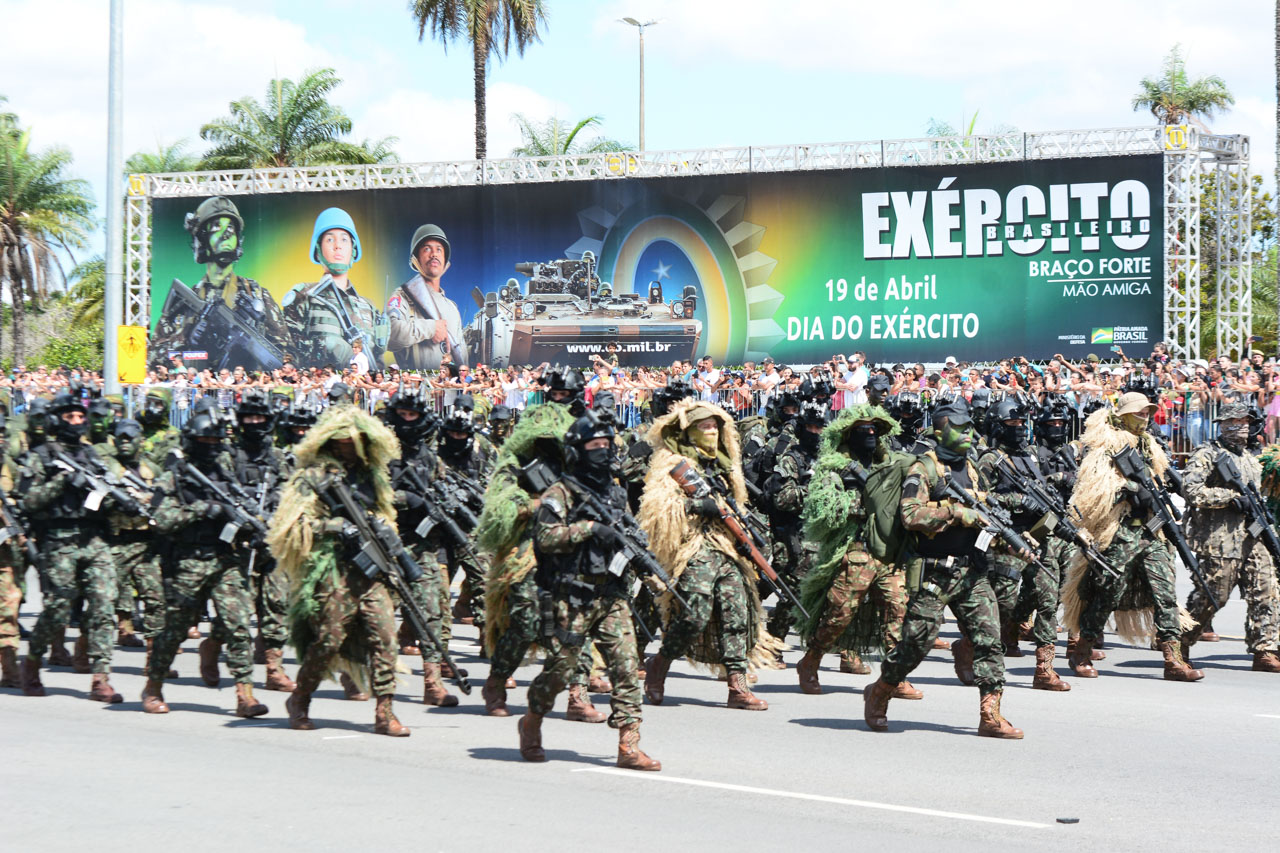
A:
(976, 261)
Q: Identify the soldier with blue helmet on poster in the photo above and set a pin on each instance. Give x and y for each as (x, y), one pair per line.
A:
(328, 316)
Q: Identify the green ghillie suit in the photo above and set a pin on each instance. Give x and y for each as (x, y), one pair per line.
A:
(726, 624)
(860, 538)
(306, 542)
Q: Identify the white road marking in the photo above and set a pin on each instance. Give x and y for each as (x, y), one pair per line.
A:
(820, 798)
(338, 737)
(1269, 716)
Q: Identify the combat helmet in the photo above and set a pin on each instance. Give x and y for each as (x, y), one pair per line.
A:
(208, 210)
(424, 233)
(329, 219)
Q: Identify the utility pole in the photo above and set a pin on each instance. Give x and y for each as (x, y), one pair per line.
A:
(633, 22)
(113, 294)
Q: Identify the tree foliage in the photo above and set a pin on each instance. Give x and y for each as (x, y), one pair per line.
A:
(295, 126)
(166, 159)
(554, 137)
(1176, 98)
(491, 26)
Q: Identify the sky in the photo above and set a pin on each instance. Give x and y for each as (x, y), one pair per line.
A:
(718, 72)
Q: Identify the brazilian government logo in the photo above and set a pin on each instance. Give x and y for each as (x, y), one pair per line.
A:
(1102, 336)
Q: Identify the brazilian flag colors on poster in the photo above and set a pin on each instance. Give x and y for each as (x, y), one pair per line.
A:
(910, 263)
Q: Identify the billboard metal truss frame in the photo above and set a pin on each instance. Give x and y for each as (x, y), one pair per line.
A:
(1188, 153)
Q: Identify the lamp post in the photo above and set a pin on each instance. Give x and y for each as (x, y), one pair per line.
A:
(113, 292)
(633, 22)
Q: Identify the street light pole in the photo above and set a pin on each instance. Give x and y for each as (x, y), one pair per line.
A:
(633, 22)
(113, 292)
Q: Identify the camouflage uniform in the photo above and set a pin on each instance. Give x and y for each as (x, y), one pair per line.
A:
(477, 467)
(268, 588)
(429, 589)
(12, 569)
(204, 568)
(1229, 556)
(137, 560)
(589, 603)
(313, 312)
(952, 573)
(792, 553)
(76, 559)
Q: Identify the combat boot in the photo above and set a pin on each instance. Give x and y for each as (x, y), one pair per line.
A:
(511, 684)
(153, 697)
(210, 649)
(1046, 678)
(852, 664)
(350, 690)
(1175, 667)
(629, 755)
(941, 644)
(1079, 657)
(807, 672)
(9, 668)
(740, 695)
(433, 690)
(80, 660)
(875, 705)
(962, 654)
(276, 677)
(904, 690)
(1266, 662)
(193, 633)
(1009, 637)
(580, 708)
(1026, 631)
(494, 694)
(102, 691)
(655, 678)
(599, 684)
(530, 728)
(30, 674)
(58, 649)
(246, 705)
(298, 704)
(991, 723)
(127, 637)
(408, 640)
(384, 719)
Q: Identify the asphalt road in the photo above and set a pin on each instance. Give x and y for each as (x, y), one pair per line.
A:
(1140, 763)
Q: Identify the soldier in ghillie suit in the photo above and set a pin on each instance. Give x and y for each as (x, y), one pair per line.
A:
(856, 593)
(1218, 530)
(577, 552)
(1115, 511)
(514, 620)
(724, 623)
(340, 618)
(950, 545)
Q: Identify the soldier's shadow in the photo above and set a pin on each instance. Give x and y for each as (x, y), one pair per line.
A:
(493, 753)
(851, 724)
(795, 689)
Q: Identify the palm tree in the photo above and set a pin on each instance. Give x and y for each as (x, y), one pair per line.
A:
(491, 26)
(296, 127)
(164, 160)
(88, 291)
(41, 211)
(1173, 98)
(554, 137)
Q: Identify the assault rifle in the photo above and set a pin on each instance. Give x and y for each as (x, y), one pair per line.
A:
(995, 519)
(473, 494)
(749, 541)
(224, 333)
(382, 554)
(1254, 508)
(100, 486)
(264, 489)
(437, 515)
(1163, 514)
(1048, 503)
(635, 544)
(238, 517)
(14, 530)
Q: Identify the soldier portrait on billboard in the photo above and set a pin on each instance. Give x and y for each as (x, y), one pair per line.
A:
(426, 326)
(226, 319)
(327, 317)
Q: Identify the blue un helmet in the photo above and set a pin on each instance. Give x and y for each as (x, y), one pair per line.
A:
(330, 218)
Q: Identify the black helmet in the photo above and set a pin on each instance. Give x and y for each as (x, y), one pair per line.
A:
(667, 396)
(295, 421)
(457, 420)
(254, 402)
(811, 414)
(564, 379)
(786, 400)
(61, 404)
(595, 466)
(1009, 408)
(339, 392)
(210, 209)
(500, 412)
(101, 415)
(37, 420)
(409, 432)
(127, 434)
(819, 391)
(204, 424)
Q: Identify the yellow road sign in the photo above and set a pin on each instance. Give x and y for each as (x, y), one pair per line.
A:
(131, 354)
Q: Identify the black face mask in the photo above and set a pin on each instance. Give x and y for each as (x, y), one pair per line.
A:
(1054, 436)
(808, 440)
(255, 433)
(457, 446)
(863, 440)
(71, 433)
(1013, 436)
(596, 466)
(153, 413)
(203, 452)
